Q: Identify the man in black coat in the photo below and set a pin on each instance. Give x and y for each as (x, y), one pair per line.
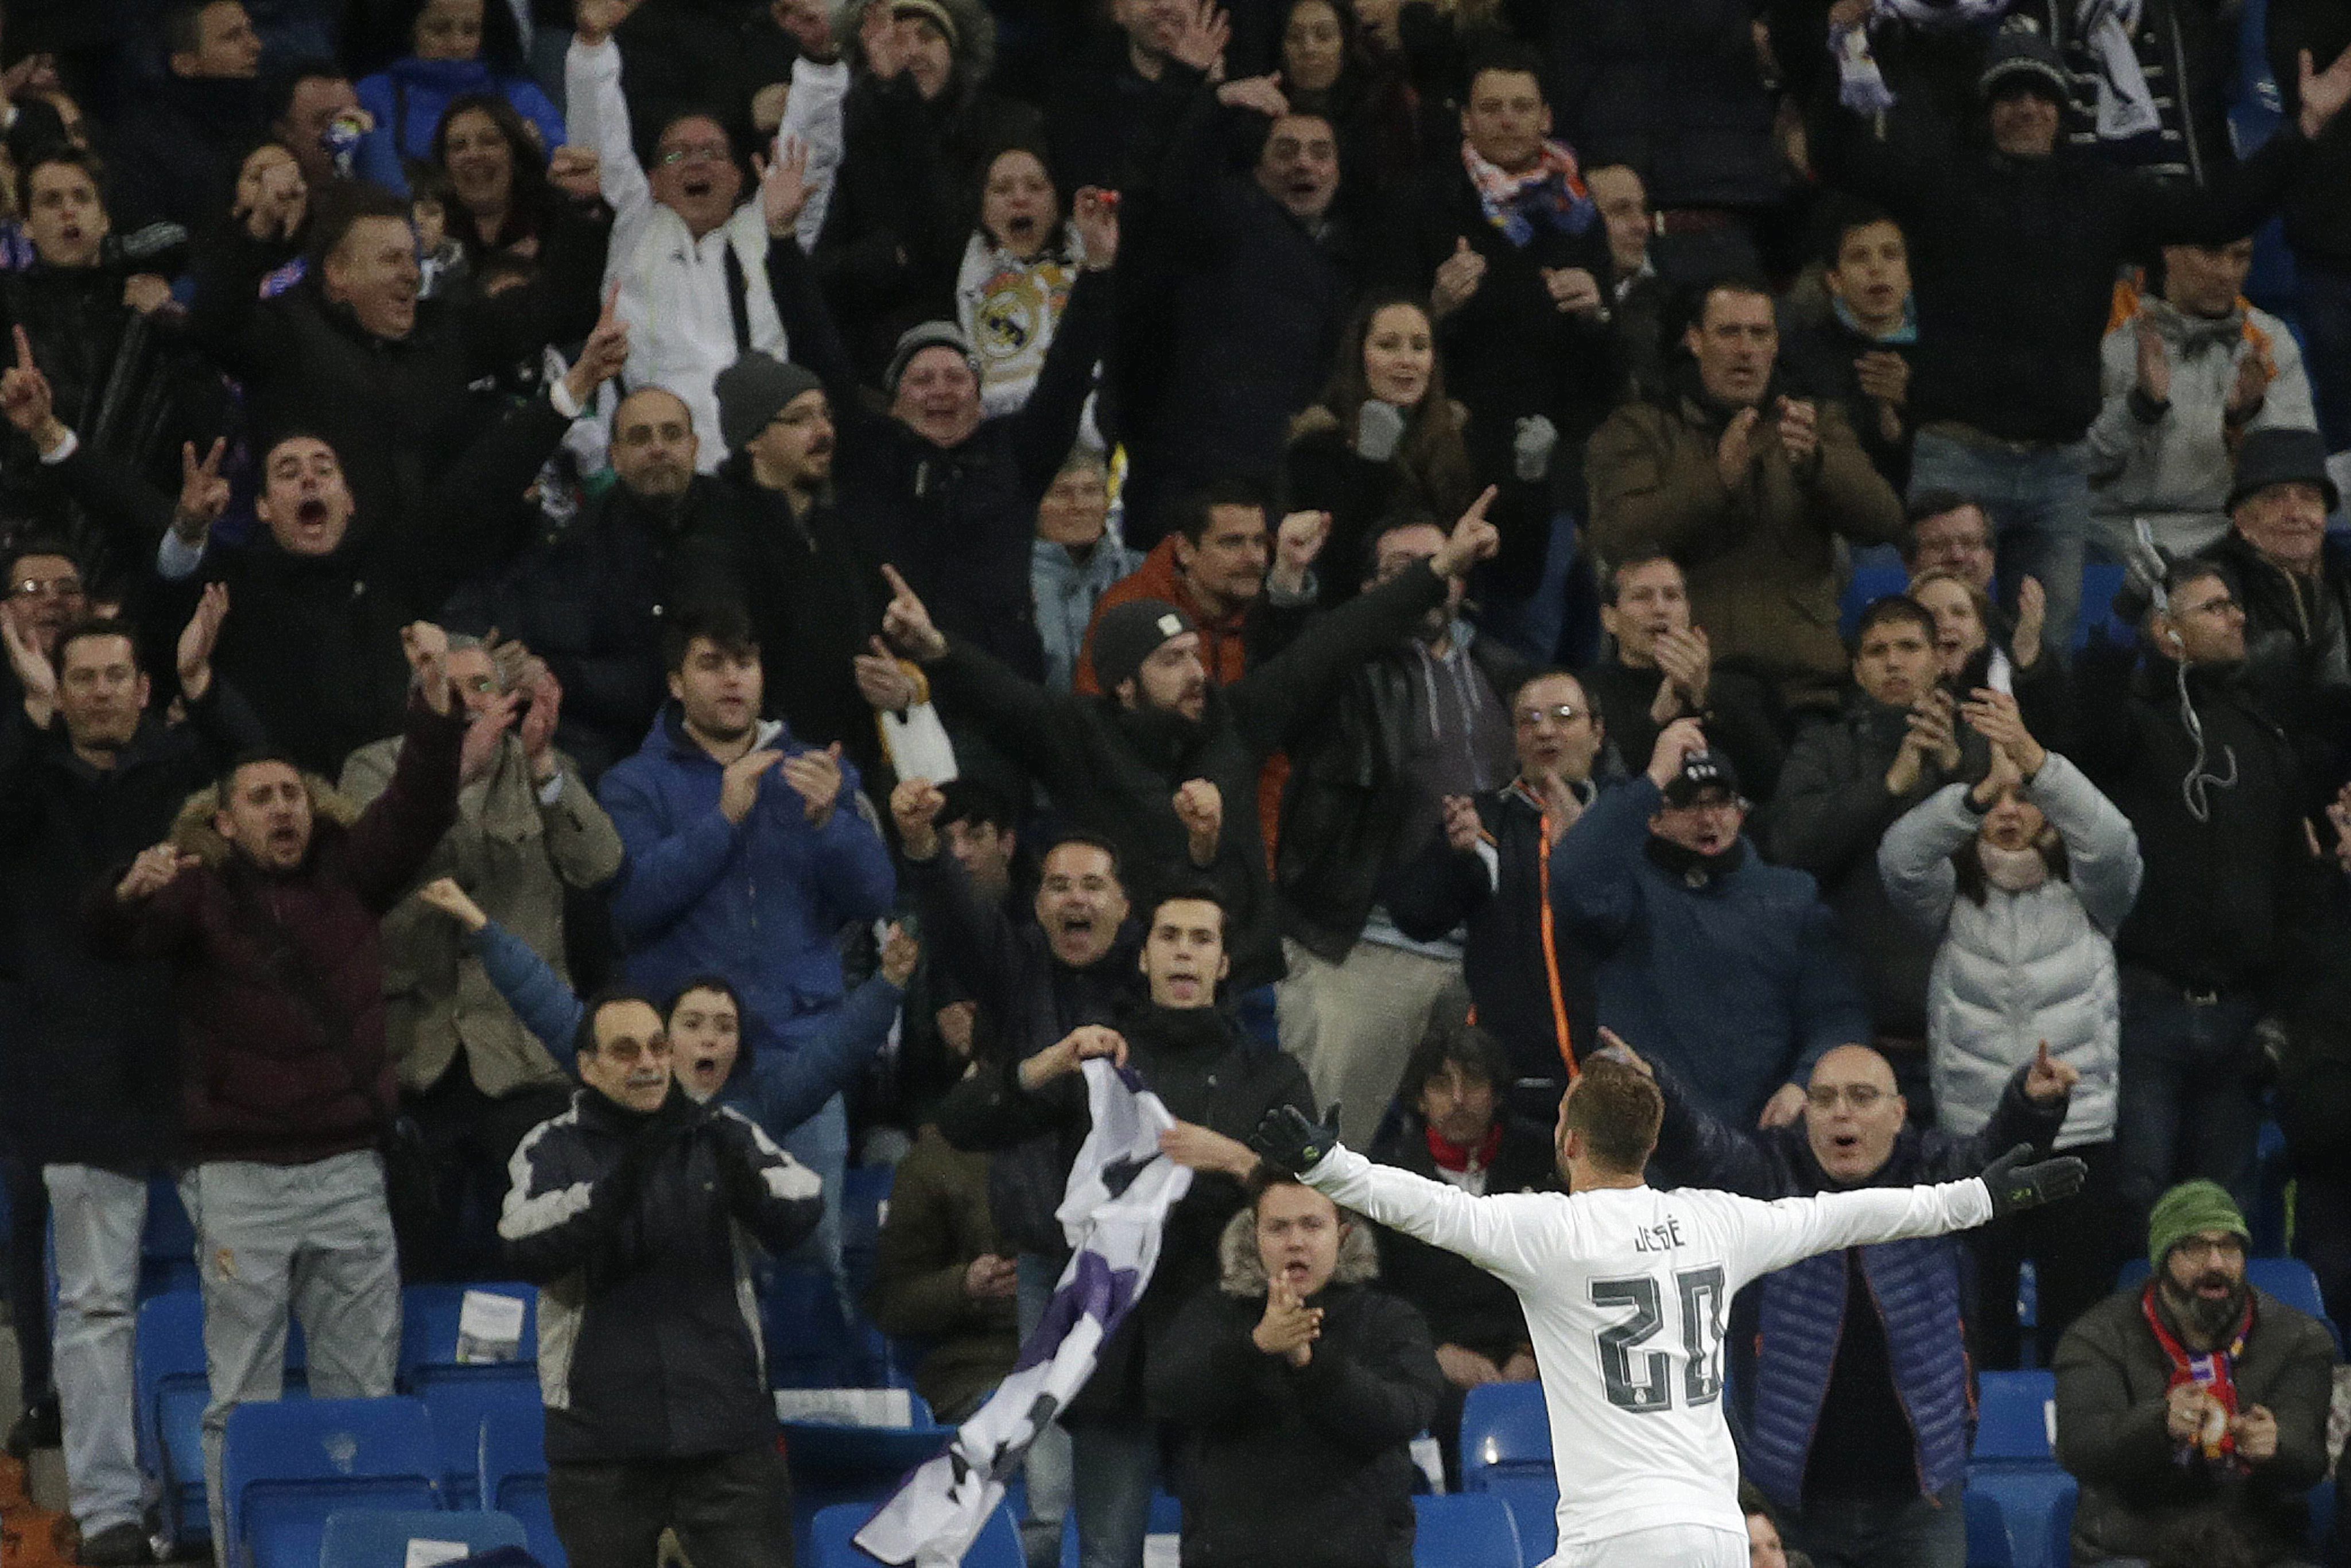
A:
(1427, 718)
(1117, 762)
(176, 154)
(89, 777)
(632, 1209)
(1298, 1389)
(592, 598)
(2224, 928)
(1217, 1084)
(1457, 1128)
(1488, 866)
(352, 353)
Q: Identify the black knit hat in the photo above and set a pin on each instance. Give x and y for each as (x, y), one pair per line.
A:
(1131, 632)
(2020, 51)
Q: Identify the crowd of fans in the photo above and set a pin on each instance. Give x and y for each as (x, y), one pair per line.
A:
(610, 613)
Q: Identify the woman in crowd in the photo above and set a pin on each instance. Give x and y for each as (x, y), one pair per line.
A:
(1018, 269)
(2024, 877)
(1073, 561)
(1963, 638)
(496, 171)
(1383, 441)
(1329, 68)
(455, 48)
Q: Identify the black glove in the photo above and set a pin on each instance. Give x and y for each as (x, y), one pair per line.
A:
(1285, 1139)
(2015, 1185)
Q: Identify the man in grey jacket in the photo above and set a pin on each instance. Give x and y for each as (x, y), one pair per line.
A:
(2193, 369)
(473, 1076)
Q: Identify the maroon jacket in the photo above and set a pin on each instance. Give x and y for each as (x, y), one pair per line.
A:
(272, 1070)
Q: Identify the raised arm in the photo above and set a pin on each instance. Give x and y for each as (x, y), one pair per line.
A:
(1770, 1236)
(1497, 1233)
(599, 112)
(397, 834)
(795, 1084)
(1914, 859)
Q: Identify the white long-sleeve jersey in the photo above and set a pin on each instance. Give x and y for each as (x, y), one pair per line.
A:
(1627, 1291)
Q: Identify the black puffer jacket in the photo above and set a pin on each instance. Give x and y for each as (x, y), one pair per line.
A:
(1348, 814)
(646, 1348)
(1289, 1467)
(1207, 1073)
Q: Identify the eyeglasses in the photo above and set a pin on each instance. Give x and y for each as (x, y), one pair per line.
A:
(2210, 1247)
(1860, 1096)
(54, 587)
(695, 153)
(627, 1052)
(1557, 713)
(2220, 604)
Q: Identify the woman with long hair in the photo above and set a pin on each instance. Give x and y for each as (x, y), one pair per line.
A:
(497, 173)
(454, 48)
(1330, 67)
(1383, 441)
(1019, 266)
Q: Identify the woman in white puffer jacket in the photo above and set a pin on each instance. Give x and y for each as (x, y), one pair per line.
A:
(2026, 877)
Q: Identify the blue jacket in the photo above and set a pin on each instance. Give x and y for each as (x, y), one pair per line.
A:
(408, 99)
(758, 900)
(778, 1090)
(1733, 975)
(1915, 1285)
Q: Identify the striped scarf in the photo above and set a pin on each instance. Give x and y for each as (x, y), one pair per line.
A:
(1550, 193)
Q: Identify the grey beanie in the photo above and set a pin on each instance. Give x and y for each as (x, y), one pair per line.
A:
(753, 390)
(926, 335)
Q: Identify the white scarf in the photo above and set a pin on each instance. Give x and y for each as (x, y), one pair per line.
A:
(2126, 106)
(1860, 85)
(2011, 870)
(1119, 1192)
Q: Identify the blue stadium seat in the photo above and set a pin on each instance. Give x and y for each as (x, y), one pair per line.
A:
(2012, 1417)
(2035, 1504)
(865, 1194)
(997, 1546)
(372, 1538)
(1872, 580)
(428, 1336)
(289, 1464)
(835, 1447)
(172, 1393)
(2101, 581)
(1505, 1430)
(513, 1476)
(459, 1405)
(1989, 1545)
(1534, 1508)
(809, 1345)
(167, 1246)
(1467, 1530)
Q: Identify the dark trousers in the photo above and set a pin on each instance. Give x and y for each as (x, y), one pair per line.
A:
(2322, 1235)
(730, 1511)
(2075, 1247)
(2190, 1100)
(470, 1138)
(1910, 1531)
(2325, 298)
(28, 1274)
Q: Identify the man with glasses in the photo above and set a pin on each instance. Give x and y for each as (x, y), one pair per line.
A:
(1427, 720)
(633, 1210)
(2195, 1402)
(1857, 1414)
(1487, 872)
(1731, 969)
(2228, 917)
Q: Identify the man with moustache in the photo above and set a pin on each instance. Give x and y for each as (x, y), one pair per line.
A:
(88, 1040)
(2194, 1400)
(634, 1212)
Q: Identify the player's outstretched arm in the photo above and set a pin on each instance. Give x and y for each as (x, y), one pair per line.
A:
(1495, 1233)
(1775, 1235)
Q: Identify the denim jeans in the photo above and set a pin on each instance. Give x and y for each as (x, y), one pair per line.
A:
(1883, 1533)
(2038, 498)
(2189, 1105)
(99, 1217)
(1048, 1465)
(1114, 1462)
(2324, 295)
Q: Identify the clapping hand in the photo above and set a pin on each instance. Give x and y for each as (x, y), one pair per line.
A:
(1289, 1326)
(198, 639)
(1799, 432)
(817, 776)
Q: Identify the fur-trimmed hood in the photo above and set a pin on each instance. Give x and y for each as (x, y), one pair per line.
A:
(1318, 420)
(1242, 1272)
(193, 831)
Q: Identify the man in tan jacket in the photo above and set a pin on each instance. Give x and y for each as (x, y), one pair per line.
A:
(1747, 490)
(471, 1075)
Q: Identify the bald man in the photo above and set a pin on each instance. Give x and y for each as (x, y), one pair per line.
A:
(1858, 1413)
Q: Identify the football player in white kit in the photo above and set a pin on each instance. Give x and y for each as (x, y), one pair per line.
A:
(1627, 1291)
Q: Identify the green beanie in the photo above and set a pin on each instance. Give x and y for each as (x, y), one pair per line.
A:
(2186, 1209)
